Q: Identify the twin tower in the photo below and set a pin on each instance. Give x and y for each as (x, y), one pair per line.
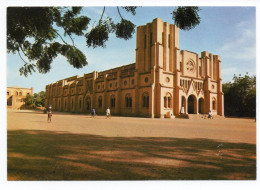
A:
(162, 81)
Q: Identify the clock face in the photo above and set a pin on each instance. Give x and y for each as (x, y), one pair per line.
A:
(190, 66)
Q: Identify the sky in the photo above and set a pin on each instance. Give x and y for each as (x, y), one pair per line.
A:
(226, 31)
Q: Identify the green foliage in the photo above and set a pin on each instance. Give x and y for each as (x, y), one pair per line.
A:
(29, 100)
(99, 34)
(186, 18)
(38, 99)
(125, 29)
(240, 96)
(34, 33)
(30, 31)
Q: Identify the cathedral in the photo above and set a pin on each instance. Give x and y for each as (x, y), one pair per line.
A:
(162, 81)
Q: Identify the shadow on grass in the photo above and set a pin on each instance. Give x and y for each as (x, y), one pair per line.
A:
(45, 155)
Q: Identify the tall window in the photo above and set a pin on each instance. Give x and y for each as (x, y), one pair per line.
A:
(169, 44)
(80, 101)
(214, 104)
(88, 102)
(112, 101)
(168, 101)
(146, 100)
(7, 93)
(128, 101)
(165, 101)
(100, 101)
(162, 38)
(145, 41)
(151, 39)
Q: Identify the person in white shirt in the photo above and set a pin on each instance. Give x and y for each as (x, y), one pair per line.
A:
(182, 110)
(108, 113)
(210, 115)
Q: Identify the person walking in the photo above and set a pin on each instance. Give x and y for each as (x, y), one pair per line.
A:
(210, 115)
(49, 115)
(108, 113)
(93, 113)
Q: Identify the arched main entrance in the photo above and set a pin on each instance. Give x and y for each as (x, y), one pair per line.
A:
(191, 104)
(201, 105)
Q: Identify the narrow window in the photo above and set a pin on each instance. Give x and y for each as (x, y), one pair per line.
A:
(145, 41)
(100, 101)
(165, 102)
(169, 44)
(162, 38)
(169, 102)
(151, 39)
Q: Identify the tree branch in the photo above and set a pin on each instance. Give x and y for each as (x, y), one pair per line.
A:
(102, 14)
(71, 39)
(22, 58)
(22, 51)
(119, 13)
(60, 37)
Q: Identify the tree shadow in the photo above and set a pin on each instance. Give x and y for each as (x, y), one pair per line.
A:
(46, 155)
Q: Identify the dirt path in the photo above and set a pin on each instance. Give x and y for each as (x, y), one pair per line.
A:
(230, 130)
(78, 147)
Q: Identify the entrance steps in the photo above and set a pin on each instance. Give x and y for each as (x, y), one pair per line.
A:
(199, 116)
(204, 116)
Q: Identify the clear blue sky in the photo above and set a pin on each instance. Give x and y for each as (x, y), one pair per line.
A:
(227, 31)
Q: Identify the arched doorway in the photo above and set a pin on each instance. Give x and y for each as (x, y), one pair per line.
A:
(88, 104)
(191, 104)
(201, 105)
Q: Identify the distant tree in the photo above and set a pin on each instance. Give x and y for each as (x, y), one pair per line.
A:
(38, 33)
(38, 99)
(240, 96)
(29, 100)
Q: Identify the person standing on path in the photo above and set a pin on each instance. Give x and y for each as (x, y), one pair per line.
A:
(108, 113)
(49, 115)
(93, 113)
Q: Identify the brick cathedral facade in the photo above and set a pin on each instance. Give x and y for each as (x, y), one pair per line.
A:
(163, 79)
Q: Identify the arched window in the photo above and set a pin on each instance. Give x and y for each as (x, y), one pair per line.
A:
(20, 93)
(214, 104)
(80, 101)
(8, 93)
(128, 101)
(165, 101)
(88, 102)
(168, 101)
(146, 100)
(100, 101)
(16, 93)
(112, 101)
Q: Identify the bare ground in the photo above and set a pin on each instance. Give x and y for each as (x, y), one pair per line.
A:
(78, 147)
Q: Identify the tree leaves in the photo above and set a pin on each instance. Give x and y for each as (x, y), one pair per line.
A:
(240, 96)
(34, 33)
(186, 18)
(98, 35)
(125, 29)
